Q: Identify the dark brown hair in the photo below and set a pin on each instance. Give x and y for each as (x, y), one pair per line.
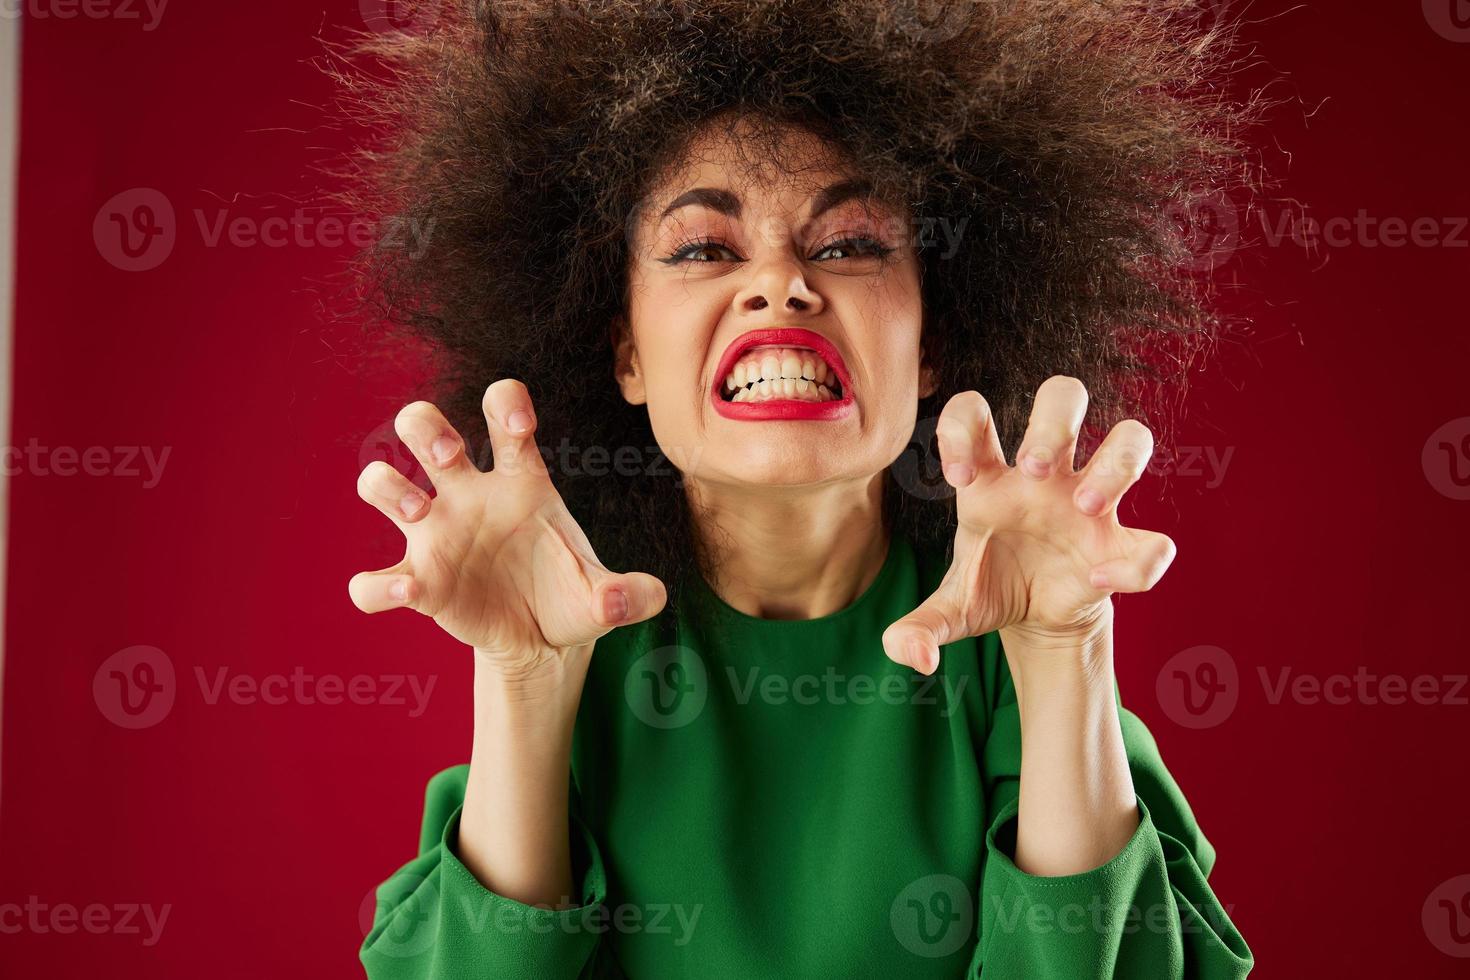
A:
(519, 138)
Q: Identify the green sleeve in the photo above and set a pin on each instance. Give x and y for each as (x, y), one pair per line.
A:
(1148, 913)
(435, 921)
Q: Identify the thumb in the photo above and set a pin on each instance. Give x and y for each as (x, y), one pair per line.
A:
(630, 597)
(914, 640)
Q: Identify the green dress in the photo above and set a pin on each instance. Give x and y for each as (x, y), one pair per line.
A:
(760, 798)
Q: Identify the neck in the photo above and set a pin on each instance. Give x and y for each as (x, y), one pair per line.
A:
(791, 552)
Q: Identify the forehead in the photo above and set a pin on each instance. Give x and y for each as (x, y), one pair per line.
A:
(770, 166)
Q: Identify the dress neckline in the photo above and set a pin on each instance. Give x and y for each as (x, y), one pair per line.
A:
(709, 600)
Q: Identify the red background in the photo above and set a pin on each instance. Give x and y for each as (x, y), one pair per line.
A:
(1325, 548)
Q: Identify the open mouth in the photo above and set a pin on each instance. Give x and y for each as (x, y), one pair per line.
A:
(782, 373)
(770, 372)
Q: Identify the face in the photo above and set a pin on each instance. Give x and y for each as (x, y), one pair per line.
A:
(773, 324)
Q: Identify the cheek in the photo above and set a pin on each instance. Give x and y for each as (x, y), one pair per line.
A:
(898, 323)
(673, 380)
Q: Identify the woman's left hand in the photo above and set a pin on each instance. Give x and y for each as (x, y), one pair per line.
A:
(1039, 550)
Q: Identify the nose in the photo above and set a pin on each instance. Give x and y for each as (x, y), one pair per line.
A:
(778, 282)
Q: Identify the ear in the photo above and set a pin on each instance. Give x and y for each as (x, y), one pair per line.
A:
(928, 378)
(626, 369)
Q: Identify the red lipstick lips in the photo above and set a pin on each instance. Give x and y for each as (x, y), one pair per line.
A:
(782, 408)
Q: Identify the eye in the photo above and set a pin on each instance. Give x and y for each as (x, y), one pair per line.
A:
(686, 251)
(859, 246)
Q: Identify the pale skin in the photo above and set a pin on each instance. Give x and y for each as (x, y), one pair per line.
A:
(500, 564)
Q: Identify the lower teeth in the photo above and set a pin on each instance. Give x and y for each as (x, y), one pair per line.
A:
(813, 393)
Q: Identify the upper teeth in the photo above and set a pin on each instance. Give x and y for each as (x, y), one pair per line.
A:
(777, 372)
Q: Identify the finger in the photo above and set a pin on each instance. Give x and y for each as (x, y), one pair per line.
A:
(387, 588)
(433, 442)
(392, 493)
(914, 640)
(630, 597)
(511, 419)
(1051, 433)
(1116, 466)
(968, 443)
(1152, 554)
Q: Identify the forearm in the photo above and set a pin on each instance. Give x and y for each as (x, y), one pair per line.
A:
(514, 833)
(1077, 806)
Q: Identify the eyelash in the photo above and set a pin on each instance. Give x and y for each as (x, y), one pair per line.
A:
(875, 248)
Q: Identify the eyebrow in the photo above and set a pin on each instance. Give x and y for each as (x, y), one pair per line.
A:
(717, 199)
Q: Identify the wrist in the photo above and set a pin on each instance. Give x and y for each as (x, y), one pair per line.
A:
(543, 698)
(536, 676)
(1073, 660)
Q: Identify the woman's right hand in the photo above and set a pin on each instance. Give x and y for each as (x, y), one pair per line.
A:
(495, 558)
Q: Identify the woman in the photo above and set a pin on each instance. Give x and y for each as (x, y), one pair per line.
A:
(714, 261)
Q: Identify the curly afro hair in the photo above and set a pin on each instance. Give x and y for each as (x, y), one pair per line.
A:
(1070, 136)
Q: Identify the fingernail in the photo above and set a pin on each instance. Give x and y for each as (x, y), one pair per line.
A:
(1090, 501)
(959, 473)
(916, 654)
(1035, 466)
(443, 450)
(614, 606)
(411, 504)
(1098, 578)
(398, 591)
(519, 422)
